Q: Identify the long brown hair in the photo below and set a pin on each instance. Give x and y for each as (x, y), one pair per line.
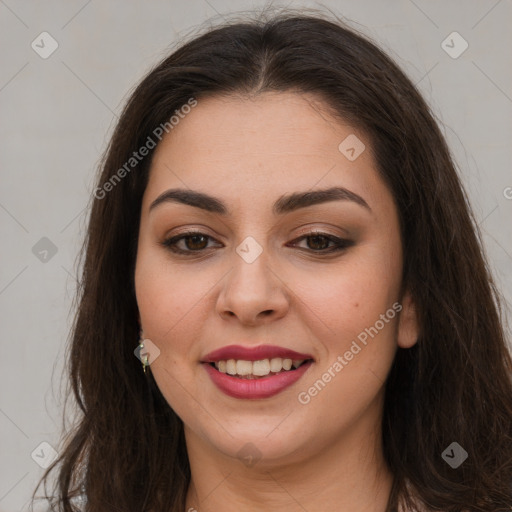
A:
(127, 452)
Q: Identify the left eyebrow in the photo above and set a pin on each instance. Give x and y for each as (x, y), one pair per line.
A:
(285, 204)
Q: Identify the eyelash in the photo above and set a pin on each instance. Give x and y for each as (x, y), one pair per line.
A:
(341, 243)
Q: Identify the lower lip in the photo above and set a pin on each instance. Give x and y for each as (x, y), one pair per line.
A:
(264, 387)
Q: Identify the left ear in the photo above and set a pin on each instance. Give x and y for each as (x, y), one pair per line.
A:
(408, 330)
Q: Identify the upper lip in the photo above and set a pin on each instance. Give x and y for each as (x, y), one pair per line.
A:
(257, 353)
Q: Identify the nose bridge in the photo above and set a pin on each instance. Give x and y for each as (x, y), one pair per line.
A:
(252, 288)
(251, 266)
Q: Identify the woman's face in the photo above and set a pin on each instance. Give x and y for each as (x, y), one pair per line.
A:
(257, 276)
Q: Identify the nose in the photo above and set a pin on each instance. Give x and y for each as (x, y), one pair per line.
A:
(254, 293)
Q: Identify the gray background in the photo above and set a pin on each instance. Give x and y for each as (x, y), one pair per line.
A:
(57, 114)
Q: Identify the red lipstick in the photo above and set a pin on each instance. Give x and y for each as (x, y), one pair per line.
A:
(252, 353)
(255, 388)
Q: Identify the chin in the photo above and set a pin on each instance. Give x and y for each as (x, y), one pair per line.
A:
(265, 446)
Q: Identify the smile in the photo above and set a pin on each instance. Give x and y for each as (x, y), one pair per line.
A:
(257, 369)
(255, 373)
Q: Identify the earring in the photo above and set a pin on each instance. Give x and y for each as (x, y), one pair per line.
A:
(144, 356)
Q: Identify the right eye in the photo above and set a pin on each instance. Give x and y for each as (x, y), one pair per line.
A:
(194, 242)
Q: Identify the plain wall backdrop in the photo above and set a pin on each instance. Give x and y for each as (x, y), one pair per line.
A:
(58, 110)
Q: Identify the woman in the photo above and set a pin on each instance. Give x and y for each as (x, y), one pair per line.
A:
(278, 233)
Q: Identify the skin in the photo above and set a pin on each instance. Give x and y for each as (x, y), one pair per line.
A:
(325, 454)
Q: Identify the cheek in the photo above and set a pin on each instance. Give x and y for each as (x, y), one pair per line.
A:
(358, 323)
(170, 305)
(351, 296)
(359, 313)
(167, 298)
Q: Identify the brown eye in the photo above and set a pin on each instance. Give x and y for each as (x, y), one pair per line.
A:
(192, 242)
(196, 242)
(319, 243)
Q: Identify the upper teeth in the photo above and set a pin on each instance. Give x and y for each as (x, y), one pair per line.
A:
(258, 368)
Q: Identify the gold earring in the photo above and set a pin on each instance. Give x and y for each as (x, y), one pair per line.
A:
(144, 356)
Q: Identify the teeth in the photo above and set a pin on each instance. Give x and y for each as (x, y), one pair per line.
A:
(276, 365)
(259, 368)
(230, 367)
(243, 367)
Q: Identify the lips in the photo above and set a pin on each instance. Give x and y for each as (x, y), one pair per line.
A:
(265, 387)
(253, 353)
(259, 388)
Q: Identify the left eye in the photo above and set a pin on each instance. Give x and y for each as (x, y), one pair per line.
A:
(320, 242)
(196, 242)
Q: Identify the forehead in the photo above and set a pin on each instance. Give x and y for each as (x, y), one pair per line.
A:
(260, 148)
(270, 124)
